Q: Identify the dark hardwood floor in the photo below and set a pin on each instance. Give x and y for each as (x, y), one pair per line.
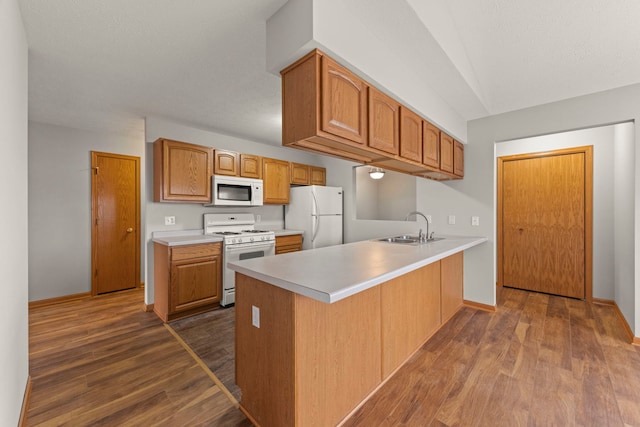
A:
(211, 336)
(540, 360)
(104, 361)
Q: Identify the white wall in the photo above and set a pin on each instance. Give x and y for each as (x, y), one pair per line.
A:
(14, 324)
(477, 190)
(604, 146)
(624, 190)
(60, 205)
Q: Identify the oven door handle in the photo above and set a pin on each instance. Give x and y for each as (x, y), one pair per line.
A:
(250, 246)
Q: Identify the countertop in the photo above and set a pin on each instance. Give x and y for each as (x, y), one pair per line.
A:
(183, 237)
(282, 232)
(354, 267)
(194, 237)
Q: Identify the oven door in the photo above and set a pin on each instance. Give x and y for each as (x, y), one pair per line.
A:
(233, 253)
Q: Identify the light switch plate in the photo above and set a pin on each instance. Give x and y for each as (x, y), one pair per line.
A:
(452, 219)
(169, 220)
(255, 316)
(475, 221)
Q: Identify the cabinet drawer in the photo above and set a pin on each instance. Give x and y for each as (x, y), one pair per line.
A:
(195, 251)
(290, 243)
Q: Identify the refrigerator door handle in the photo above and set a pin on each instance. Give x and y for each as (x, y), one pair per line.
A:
(316, 217)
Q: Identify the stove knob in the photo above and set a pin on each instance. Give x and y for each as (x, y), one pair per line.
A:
(251, 239)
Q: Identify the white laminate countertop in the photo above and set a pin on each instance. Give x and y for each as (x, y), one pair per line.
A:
(337, 272)
(283, 232)
(184, 237)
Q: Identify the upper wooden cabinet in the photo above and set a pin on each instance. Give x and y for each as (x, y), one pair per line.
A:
(458, 159)
(446, 153)
(384, 122)
(344, 102)
(410, 135)
(300, 174)
(181, 172)
(226, 163)
(327, 109)
(430, 145)
(250, 166)
(275, 176)
(318, 176)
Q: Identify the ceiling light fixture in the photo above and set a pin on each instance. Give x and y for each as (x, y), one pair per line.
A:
(376, 173)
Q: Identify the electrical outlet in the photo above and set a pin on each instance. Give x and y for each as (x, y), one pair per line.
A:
(258, 218)
(475, 221)
(255, 316)
(169, 220)
(452, 219)
(429, 219)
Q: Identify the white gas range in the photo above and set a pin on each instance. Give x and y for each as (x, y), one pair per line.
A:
(241, 240)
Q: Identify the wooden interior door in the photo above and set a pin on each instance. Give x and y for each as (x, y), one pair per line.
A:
(544, 222)
(115, 237)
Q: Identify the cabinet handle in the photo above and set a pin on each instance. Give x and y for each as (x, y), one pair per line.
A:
(129, 230)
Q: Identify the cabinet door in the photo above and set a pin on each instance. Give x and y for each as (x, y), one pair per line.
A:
(458, 159)
(318, 176)
(195, 282)
(250, 166)
(344, 103)
(181, 172)
(451, 270)
(410, 135)
(275, 176)
(300, 174)
(226, 163)
(285, 244)
(430, 145)
(384, 128)
(446, 153)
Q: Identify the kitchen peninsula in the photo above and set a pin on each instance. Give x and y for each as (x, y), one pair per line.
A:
(318, 331)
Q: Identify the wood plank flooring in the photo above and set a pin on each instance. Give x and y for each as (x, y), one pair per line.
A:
(211, 336)
(104, 361)
(540, 360)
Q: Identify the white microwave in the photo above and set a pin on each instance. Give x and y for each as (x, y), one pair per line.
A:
(235, 191)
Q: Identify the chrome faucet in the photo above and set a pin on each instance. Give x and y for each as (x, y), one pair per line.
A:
(421, 237)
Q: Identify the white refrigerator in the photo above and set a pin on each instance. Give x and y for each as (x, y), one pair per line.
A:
(317, 211)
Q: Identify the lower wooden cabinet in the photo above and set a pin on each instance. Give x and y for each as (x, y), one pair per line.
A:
(451, 273)
(187, 279)
(292, 243)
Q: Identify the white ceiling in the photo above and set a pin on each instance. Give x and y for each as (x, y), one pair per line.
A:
(105, 65)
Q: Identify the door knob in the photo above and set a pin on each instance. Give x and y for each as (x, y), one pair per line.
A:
(129, 230)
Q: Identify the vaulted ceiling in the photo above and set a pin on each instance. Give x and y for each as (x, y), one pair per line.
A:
(105, 65)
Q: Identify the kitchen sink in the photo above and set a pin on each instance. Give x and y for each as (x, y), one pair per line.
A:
(408, 240)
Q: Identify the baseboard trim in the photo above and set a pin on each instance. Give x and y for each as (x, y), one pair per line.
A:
(627, 329)
(148, 308)
(480, 306)
(25, 403)
(59, 300)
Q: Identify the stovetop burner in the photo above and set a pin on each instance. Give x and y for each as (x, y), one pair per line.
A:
(255, 231)
(227, 233)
